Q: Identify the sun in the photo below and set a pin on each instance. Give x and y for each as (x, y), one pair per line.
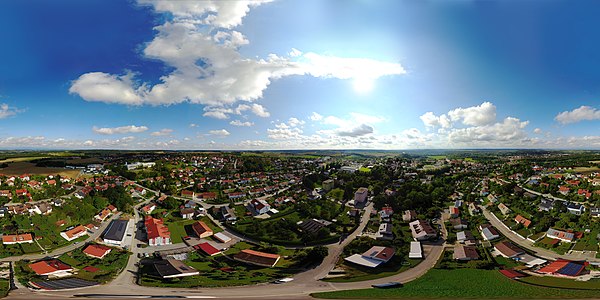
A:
(363, 85)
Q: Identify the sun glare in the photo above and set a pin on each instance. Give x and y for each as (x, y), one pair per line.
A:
(363, 85)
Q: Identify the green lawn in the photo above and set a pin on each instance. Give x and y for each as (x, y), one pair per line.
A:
(178, 230)
(221, 271)
(593, 284)
(4, 287)
(462, 283)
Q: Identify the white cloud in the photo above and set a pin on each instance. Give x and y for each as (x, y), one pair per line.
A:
(431, 120)
(240, 123)
(295, 122)
(483, 114)
(201, 46)
(102, 87)
(7, 111)
(119, 130)
(583, 113)
(162, 132)
(193, 125)
(221, 132)
(510, 130)
(360, 130)
(256, 109)
(537, 131)
(480, 115)
(315, 117)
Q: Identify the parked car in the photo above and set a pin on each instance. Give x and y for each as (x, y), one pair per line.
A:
(388, 285)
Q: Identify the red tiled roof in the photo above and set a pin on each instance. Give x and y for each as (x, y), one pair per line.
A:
(554, 266)
(522, 220)
(209, 249)
(98, 251)
(512, 274)
(75, 231)
(16, 238)
(156, 228)
(49, 266)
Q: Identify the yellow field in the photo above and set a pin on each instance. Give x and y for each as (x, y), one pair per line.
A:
(586, 170)
(20, 159)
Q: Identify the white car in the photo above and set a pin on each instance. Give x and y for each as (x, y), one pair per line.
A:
(284, 280)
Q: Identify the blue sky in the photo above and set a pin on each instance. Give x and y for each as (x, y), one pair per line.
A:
(287, 74)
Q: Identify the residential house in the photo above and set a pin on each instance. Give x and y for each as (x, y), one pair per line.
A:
(522, 220)
(187, 213)
(459, 223)
(454, 211)
(409, 215)
(466, 237)
(373, 257)
(564, 190)
(474, 209)
(260, 206)
(313, 226)
(465, 253)
(575, 208)
(504, 209)
(385, 232)
(74, 233)
(488, 232)
(96, 251)
(546, 204)
(421, 230)
(508, 249)
(228, 214)
(564, 236)
(148, 209)
(386, 213)
(11, 239)
(52, 268)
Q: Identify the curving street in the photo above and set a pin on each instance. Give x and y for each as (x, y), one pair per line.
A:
(303, 284)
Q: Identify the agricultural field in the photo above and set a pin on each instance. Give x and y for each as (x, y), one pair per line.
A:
(25, 167)
(462, 283)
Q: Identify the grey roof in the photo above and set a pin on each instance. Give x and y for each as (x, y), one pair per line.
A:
(115, 230)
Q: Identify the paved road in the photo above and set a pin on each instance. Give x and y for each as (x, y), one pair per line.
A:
(303, 284)
(60, 251)
(527, 244)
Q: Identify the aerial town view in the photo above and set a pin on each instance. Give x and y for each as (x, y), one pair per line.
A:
(299, 149)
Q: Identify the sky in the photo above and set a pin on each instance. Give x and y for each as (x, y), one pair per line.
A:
(299, 74)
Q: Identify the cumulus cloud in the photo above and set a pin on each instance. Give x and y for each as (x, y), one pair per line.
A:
(583, 113)
(201, 46)
(221, 132)
(240, 123)
(162, 132)
(103, 87)
(315, 117)
(360, 130)
(119, 130)
(511, 129)
(480, 115)
(537, 131)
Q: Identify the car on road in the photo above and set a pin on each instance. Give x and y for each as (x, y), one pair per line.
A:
(283, 280)
(388, 285)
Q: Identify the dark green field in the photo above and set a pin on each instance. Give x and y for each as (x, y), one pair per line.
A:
(462, 283)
